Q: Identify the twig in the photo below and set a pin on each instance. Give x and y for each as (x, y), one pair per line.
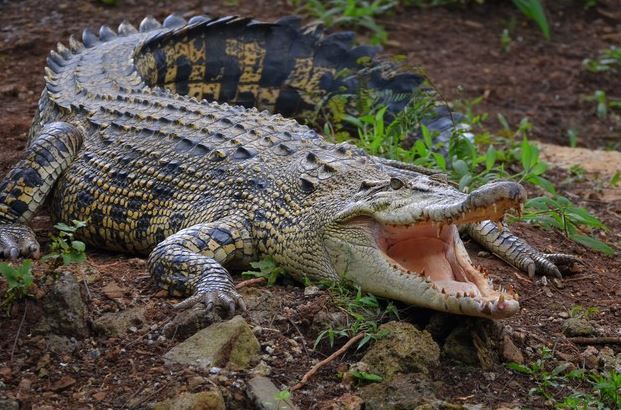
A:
(249, 282)
(577, 278)
(19, 329)
(301, 336)
(604, 340)
(327, 360)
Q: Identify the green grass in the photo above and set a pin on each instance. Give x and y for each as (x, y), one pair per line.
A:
(609, 60)
(267, 269)
(578, 389)
(19, 281)
(365, 314)
(350, 13)
(63, 247)
(603, 103)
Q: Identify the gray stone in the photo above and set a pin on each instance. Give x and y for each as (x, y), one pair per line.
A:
(608, 360)
(264, 393)
(64, 310)
(473, 342)
(61, 344)
(409, 391)
(575, 326)
(205, 400)
(510, 351)
(8, 404)
(228, 344)
(119, 323)
(404, 350)
(190, 321)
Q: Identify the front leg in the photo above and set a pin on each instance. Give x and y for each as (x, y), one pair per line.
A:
(191, 261)
(515, 251)
(24, 189)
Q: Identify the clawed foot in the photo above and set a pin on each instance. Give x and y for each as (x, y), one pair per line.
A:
(548, 264)
(18, 241)
(229, 299)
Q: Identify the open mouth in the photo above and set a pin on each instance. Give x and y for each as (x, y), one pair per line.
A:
(435, 251)
(430, 250)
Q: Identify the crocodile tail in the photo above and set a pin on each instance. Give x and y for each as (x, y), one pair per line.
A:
(280, 67)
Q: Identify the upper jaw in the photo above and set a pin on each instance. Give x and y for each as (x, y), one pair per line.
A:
(489, 202)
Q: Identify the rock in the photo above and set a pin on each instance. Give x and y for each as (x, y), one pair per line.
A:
(205, 400)
(608, 360)
(119, 323)
(61, 344)
(8, 404)
(590, 357)
(113, 291)
(261, 369)
(473, 342)
(441, 324)
(312, 290)
(575, 326)
(265, 395)
(404, 350)
(229, 343)
(510, 352)
(409, 391)
(188, 322)
(65, 312)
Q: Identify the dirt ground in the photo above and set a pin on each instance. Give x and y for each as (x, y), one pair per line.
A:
(460, 49)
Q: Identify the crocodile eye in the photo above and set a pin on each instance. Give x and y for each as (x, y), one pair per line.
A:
(396, 183)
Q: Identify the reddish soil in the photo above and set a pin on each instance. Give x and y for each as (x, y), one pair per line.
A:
(460, 49)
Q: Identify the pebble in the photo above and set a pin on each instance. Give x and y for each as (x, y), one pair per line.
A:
(269, 349)
(311, 291)
(215, 370)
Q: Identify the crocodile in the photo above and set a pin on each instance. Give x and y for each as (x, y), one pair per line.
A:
(180, 141)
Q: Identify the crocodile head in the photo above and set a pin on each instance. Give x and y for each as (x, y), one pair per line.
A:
(398, 238)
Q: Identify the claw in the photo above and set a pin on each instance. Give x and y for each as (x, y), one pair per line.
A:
(210, 299)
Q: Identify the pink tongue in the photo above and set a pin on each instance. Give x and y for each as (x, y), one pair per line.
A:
(423, 255)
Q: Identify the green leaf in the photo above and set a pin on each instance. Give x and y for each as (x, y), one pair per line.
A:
(282, 395)
(460, 167)
(490, 158)
(79, 246)
(520, 368)
(533, 9)
(365, 376)
(593, 243)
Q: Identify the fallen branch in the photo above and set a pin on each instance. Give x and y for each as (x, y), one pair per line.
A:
(19, 329)
(327, 360)
(604, 340)
(250, 282)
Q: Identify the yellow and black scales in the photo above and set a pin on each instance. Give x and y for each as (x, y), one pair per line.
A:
(125, 139)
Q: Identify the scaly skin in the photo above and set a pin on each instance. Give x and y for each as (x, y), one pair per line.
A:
(123, 140)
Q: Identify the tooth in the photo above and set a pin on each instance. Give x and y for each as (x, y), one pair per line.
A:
(472, 294)
(501, 299)
(499, 225)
